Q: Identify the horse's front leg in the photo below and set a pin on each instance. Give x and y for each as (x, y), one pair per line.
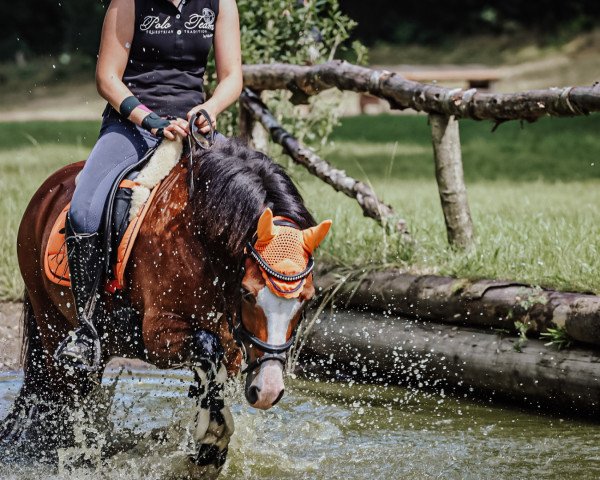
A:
(171, 340)
(214, 422)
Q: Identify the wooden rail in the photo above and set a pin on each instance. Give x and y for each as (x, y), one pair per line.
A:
(444, 106)
(253, 109)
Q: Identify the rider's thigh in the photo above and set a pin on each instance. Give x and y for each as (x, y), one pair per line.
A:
(121, 144)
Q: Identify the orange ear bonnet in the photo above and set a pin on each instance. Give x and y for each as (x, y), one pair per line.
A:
(284, 252)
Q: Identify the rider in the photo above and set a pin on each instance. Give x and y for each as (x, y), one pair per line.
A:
(150, 69)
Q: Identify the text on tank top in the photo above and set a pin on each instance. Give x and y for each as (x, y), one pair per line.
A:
(168, 54)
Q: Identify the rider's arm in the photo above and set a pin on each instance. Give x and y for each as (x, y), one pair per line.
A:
(228, 59)
(117, 35)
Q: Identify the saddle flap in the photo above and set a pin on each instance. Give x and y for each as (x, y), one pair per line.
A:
(56, 265)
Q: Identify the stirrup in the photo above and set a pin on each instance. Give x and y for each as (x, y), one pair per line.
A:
(81, 350)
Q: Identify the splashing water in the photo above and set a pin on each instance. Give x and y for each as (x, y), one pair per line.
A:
(329, 431)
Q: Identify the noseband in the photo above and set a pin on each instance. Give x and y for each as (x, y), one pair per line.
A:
(238, 329)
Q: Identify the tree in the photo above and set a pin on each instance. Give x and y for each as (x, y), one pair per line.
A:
(301, 32)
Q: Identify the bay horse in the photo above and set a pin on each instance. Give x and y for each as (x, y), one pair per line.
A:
(218, 274)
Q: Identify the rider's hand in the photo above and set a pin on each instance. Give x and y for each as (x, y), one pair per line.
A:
(201, 122)
(178, 127)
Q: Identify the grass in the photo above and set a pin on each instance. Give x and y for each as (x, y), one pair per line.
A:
(533, 193)
(22, 170)
(43, 76)
(487, 49)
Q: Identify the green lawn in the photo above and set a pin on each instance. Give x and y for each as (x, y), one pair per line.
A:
(533, 193)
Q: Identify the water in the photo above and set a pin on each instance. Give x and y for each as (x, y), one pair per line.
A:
(338, 431)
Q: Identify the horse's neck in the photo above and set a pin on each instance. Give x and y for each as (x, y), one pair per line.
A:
(170, 202)
(171, 225)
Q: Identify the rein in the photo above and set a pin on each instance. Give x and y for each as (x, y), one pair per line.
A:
(203, 141)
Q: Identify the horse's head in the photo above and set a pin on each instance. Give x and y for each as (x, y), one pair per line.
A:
(277, 284)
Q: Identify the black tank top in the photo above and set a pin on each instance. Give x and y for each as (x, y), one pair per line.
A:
(168, 54)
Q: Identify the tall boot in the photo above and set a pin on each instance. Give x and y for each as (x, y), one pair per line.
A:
(85, 255)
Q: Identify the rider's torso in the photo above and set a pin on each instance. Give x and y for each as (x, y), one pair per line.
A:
(169, 52)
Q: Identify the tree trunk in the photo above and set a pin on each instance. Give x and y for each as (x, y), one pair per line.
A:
(377, 348)
(450, 180)
(491, 304)
(367, 199)
(402, 93)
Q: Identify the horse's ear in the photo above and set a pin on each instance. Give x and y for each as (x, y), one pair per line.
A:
(264, 231)
(313, 236)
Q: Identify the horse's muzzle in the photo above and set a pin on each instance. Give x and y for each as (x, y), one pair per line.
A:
(265, 389)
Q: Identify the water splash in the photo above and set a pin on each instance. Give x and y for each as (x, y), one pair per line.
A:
(321, 430)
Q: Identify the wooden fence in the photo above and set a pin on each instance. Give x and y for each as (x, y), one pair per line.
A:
(445, 107)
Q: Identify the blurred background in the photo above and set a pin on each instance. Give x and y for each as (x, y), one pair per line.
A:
(509, 45)
(533, 188)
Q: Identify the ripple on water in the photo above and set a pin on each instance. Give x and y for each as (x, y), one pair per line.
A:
(329, 431)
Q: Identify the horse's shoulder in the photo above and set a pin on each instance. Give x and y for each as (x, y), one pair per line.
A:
(169, 201)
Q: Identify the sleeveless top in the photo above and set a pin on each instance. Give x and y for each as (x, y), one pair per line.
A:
(168, 54)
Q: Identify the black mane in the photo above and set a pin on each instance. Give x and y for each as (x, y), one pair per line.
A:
(233, 186)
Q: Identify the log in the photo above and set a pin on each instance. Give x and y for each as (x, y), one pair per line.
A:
(367, 199)
(490, 304)
(402, 93)
(378, 348)
(450, 180)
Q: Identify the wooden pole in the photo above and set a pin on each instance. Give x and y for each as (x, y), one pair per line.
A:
(246, 124)
(377, 347)
(402, 93)
(484, 304)
(450, 180)
(367, 199)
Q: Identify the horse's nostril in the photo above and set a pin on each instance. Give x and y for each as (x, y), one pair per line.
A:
(252, 395)
(278, 397)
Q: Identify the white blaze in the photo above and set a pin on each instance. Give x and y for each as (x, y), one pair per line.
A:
(279, 312)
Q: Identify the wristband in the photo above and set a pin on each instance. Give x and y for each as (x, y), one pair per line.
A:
(152, 120)
(128, 105)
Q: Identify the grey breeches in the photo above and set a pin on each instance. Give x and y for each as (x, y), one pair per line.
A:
(120, 145)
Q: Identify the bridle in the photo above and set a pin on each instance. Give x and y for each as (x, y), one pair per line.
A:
(241, 333)
(237, 328)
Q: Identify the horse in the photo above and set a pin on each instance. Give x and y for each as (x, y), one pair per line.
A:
(219, 275)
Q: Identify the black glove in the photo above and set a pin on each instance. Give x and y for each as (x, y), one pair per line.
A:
(152, 120)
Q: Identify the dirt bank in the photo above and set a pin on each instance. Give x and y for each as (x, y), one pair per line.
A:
(10, 336)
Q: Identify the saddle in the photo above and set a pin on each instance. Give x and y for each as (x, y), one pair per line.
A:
(124, 213)
(126, 208)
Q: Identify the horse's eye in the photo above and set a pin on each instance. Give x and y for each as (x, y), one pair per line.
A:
(248, 297)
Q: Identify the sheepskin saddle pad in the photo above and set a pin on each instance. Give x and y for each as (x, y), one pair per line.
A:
(131, 202)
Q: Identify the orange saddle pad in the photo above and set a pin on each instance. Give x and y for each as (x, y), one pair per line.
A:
(55, 256)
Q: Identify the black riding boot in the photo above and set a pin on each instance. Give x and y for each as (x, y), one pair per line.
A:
(85, 254)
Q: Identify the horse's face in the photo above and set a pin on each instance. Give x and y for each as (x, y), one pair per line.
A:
(272, 307)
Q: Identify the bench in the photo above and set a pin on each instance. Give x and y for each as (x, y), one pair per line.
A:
(480, 78)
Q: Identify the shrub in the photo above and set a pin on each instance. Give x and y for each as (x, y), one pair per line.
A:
(301, 32)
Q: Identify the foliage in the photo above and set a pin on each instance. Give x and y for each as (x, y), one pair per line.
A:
(522, 329)
(558, 337)
(433, 22)
(51, 27)
(298, 32)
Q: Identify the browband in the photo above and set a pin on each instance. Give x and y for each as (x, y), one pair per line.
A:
(273, 273)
